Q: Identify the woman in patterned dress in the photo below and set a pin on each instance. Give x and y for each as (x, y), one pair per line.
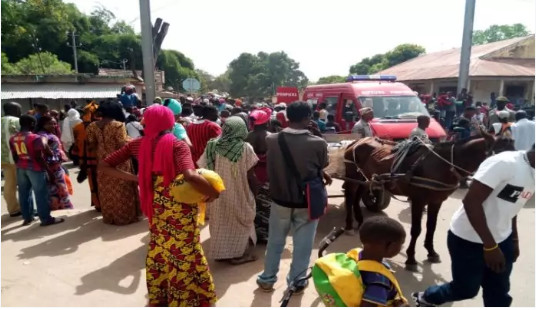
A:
(118, 198)
(176, 268)
(232, 216)
(87, 157)
(59, 194)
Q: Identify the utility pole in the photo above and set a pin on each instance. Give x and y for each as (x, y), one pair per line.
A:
(147, 50)
(467, 41)
(74, 46)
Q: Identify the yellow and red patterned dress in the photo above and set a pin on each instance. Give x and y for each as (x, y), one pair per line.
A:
(176, 267)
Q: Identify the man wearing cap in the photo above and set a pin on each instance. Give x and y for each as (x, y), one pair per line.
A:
(501, 106)
(362, 128)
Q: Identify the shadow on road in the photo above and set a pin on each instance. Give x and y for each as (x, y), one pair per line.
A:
(129, 265)
(79, 228)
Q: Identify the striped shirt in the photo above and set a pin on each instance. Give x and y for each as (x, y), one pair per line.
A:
(200, 132)
(181, 155)
(25, 147)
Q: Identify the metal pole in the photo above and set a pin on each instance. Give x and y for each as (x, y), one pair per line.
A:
(147, 50)
(467, 40)
(73, 38)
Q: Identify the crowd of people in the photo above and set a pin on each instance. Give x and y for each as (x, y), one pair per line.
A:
(130, 156)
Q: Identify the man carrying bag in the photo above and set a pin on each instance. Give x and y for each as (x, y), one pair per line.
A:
(295, 163)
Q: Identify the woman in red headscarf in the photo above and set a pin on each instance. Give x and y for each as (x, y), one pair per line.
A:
(257, 138)
(176, 267)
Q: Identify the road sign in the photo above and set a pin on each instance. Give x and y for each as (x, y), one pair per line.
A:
(191, 85)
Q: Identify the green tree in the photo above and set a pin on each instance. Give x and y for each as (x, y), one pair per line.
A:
(401, 54)
(176, 66)
(7, 67)
(496, 33)
(257, 76)
(331, 79)
(379, 62)
(42, 63)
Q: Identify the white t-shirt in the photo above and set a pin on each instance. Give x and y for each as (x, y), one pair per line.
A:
(523, 134)
(512, 179)
(133, 129)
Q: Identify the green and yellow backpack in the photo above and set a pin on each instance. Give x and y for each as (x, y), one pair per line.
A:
(338, 281)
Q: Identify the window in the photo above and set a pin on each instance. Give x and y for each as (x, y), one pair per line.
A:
(331, 104)
(394, 107)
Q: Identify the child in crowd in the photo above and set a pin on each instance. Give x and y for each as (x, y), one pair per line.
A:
(382, 237)
(423, 121)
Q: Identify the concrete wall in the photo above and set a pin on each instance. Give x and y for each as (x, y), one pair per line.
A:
(480, 89)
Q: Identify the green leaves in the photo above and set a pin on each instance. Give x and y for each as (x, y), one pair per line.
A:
(41, 63)
(257, 76)
(331, 79)
(496, 33)
(379, 62)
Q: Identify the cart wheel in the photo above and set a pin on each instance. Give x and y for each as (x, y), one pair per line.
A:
(376, 200)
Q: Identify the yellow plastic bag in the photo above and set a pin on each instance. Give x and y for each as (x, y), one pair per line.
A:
(184, 192)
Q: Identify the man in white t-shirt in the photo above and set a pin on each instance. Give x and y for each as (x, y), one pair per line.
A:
(522, 132)
(483, 241)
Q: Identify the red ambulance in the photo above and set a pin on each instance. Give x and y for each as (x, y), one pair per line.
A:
(395, 105)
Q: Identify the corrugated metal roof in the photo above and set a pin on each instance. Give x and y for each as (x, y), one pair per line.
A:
(60, 91)
(445, 64)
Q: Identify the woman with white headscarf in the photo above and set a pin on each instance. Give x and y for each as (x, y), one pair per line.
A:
(67, 137)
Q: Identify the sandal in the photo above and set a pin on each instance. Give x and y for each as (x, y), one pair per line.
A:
(243, 260)
(53, 221)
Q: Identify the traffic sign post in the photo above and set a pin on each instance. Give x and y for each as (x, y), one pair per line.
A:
(191, 85)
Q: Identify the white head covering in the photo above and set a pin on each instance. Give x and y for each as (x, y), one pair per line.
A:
(72, 119)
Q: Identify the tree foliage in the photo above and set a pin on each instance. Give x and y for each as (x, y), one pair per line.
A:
(176, 66)
(257, 76)
(31, 26)
(331, 79)
(41, 63)
(379, 62)
(496, 33)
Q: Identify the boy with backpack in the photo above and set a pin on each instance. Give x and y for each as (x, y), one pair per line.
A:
(363, 278)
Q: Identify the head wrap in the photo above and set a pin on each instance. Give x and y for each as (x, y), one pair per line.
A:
(260, 116)
(156, 141)
(89, 111)
(230, 144)
(174, 106)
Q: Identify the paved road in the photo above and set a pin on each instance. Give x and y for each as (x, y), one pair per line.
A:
(84, 262)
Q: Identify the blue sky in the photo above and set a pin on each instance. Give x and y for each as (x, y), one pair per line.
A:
(325, 37)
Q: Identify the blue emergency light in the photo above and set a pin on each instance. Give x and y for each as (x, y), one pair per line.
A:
(353, 78)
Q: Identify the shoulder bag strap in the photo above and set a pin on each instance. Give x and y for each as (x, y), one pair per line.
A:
(287, 156)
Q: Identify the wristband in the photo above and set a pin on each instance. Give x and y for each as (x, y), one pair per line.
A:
(492, 248)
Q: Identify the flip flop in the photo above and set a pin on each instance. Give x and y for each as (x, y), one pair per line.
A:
(53, 221)
(243, 260)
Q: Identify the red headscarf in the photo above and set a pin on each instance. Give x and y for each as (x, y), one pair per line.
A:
(157, 120)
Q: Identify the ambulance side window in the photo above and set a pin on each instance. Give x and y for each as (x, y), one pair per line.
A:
(312, 103)
(331, 104)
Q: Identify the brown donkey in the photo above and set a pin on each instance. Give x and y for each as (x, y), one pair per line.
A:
(430, 177)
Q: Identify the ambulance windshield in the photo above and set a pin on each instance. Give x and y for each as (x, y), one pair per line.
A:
(394, 107)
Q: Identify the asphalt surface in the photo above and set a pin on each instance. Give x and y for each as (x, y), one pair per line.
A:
(84, 262)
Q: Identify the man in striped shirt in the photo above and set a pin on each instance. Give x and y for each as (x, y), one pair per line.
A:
(28, 150)
(201, 131)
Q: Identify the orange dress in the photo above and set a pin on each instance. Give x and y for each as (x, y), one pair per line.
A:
(88, 161)
(118, 198)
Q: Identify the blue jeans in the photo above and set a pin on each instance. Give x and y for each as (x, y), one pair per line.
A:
(469, 273)
(449, 119)
(29, 180)
(282, 221)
